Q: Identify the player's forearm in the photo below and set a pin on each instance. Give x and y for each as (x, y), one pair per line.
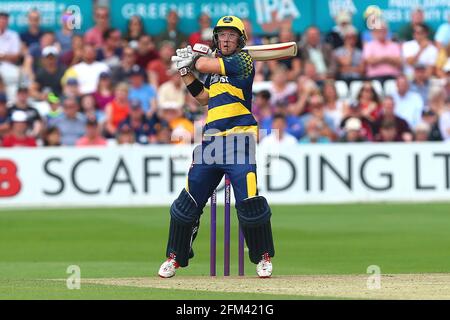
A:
(202, 95)
(208, 65)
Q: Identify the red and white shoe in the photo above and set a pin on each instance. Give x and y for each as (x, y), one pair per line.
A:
(168, 268)
(264, 267)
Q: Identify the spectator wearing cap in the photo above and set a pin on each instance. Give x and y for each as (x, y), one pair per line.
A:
(158, 69)
(51, 137)
(352, 131)
(136, 121)
(65, 35)
(355, 111)
(88, 71)
(94, 36)
(420, 50)
(422, 132)
(145, 51)
(92, 136)
(135, 29)
(4, 116)
(205, 32)
(388, 132)
(34, 119)
(349, 57)
(117, 110)
(105, 91)
(9, 41)
(34, 32)
(119, 73)
(420, 83)
(71, 124)
(172, 31)
(387, 114)
(55, 110)
(337, 35)
(19, 128)
(321, 55)
(71, 89)
(142, 91)
(278, 136)
(48, 75)
(35, 50)
(406, 32)
(382, 57)
(171, 112)
(111, 51)
(408, 104)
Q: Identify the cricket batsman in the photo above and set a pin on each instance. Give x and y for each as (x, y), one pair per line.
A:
(228, 93)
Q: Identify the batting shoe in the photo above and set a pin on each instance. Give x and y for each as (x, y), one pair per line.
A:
(264, 267)
(168, 268)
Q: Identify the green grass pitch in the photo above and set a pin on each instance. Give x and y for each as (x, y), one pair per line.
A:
(36, 245)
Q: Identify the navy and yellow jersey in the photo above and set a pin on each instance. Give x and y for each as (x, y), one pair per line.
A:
(230, 96)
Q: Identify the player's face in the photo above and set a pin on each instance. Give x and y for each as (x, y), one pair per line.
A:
(228, 40)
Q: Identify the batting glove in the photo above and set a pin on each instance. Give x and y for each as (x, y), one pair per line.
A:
(186, 60)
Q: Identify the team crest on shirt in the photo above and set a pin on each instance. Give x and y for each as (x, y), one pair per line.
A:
(215, 78)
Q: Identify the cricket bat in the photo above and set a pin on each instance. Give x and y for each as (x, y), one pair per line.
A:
(265, 52)
(277, 51)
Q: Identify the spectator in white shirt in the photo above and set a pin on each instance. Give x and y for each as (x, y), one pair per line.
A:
(88, 71)
(419, 51)
(408, 104)
(278, 135)
(9, 41)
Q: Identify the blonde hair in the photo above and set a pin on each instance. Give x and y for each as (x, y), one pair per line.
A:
(122, 86)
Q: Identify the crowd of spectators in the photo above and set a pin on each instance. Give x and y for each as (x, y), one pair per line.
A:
(105, 87)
